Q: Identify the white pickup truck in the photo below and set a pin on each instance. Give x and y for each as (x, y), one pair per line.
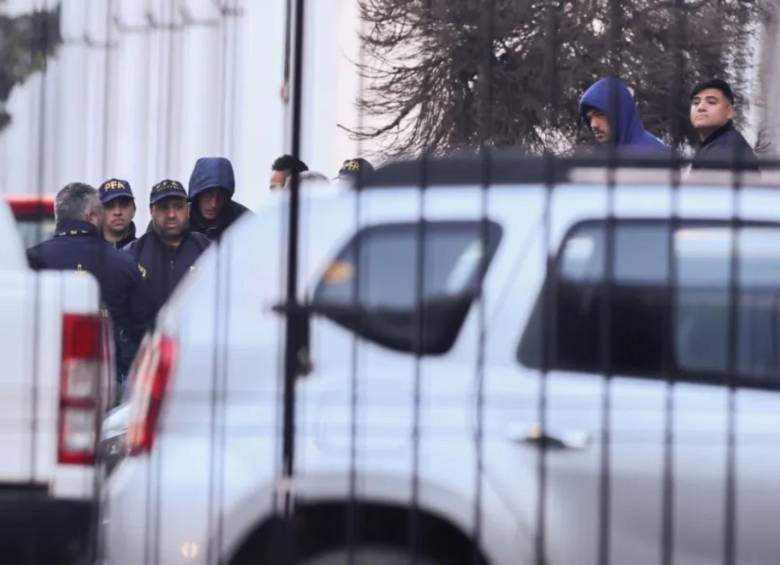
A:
(55, 363)
(443, 419)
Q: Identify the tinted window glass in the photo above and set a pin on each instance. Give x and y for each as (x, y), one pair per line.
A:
(640, 300)
(372, 285)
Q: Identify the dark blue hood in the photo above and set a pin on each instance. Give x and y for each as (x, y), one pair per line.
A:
(611, 96)
(212, 172)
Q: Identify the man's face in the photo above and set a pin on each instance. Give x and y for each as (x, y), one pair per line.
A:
(210, 202)
(118, 214)
(710, 109)
(599, 125)
(278, 179)
(170, 217)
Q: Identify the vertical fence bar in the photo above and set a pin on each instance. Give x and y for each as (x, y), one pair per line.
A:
(605, 313)
(672, 288)
(40, 175)
(485, 85)
(418, 330)
(547, 330)
(730, 500)
(352, 513)
(291, 335)
(353, 507)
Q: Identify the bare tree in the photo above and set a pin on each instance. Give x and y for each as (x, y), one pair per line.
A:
(448, 74)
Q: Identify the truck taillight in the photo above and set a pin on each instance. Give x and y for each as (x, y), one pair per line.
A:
(150, 379)
(82, 363)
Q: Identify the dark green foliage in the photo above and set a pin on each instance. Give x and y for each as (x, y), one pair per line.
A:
(25, 43)
(447, 74)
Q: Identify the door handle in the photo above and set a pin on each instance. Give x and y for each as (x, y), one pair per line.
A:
(535, 435)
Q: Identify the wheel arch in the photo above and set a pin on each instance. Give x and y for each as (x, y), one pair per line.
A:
(322, 525)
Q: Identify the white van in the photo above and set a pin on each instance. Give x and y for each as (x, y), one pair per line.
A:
(589, 376)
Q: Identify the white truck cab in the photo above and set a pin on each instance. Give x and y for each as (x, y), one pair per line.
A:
(546, 360)
(54, 385)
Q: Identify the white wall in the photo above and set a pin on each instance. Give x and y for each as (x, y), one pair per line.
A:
(142, 101)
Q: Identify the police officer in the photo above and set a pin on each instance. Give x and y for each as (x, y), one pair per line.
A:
(119, 211)
(166, 252)
(77, 245)
(353, 169)
(211, 189)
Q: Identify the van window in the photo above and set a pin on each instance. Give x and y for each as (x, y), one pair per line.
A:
(372, 288)
(641, 301)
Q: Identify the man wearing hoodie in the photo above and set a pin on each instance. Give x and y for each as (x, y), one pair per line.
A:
(609, 110)
(211, 189)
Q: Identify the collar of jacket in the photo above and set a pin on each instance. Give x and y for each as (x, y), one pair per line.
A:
(222, 218)
(184, 237)
(728, 126)
(74, 227)
(128, 238)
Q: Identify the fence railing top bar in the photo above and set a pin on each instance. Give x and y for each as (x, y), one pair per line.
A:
(639, 176)
(517, 168)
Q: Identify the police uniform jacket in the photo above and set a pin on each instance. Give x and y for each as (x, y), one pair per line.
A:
(77, 245)
(161, 270)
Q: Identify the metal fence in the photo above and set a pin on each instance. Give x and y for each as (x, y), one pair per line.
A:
(485, 356)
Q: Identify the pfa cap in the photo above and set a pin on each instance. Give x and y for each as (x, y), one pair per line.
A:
(113, 189)
(166, 189)
(355, 167)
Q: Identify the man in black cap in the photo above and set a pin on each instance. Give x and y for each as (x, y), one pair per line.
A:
(353, 169)
(77, 245)
(211, 189)
(165, 253)
(712, 115)
(283, 168)
(118, 212)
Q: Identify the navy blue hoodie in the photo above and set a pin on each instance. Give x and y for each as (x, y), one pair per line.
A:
(213, 172)
(611, 97)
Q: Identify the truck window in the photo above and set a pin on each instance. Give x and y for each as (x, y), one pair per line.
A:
(643, 305)
(371, 287)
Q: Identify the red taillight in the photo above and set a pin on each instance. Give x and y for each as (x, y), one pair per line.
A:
(150, 377)
(82, 362)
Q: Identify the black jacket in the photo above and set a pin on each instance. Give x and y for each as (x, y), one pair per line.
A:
(128, 239)
(725, 147)
(161, 270)
(213, 229)
(78, 246)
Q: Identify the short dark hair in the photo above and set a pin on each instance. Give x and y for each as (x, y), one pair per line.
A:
(75, 201)
(716, 83)
(289, 163)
